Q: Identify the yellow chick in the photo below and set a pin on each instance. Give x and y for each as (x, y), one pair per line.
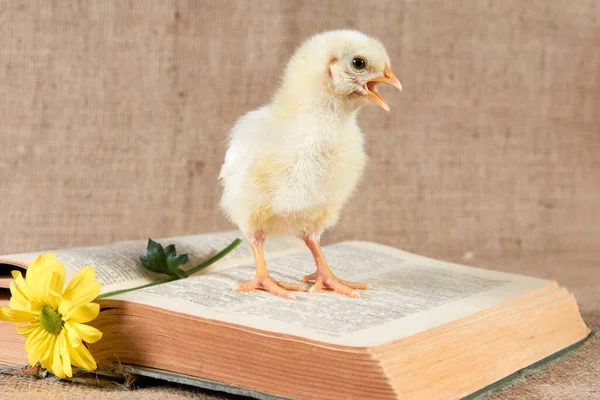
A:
(291, 165)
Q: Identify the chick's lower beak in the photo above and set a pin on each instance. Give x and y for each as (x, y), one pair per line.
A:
(371, 87)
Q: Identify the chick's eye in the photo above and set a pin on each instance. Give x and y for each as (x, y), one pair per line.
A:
(358, 63)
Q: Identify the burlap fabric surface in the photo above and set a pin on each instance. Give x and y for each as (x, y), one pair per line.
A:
(114, 116)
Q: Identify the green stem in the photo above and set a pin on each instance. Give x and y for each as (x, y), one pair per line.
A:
(154, 283)
(214, 258)
(189, 272)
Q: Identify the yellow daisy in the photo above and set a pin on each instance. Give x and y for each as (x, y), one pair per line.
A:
(56, 329)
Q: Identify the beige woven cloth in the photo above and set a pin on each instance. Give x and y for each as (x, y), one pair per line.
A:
(114, 115)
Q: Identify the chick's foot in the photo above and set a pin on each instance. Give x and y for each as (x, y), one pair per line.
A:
(323, 277)
(328, 281)
(270, 285)
(262, 280)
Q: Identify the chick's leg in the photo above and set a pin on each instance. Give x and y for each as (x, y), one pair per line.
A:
(262, 280)
(323, 277)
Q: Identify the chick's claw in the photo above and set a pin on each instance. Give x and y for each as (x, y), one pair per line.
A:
(270, 285)
(310, 277)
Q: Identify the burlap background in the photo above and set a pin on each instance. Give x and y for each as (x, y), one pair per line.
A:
(113, 116)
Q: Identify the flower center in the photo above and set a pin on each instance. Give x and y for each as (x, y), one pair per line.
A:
(51, 320)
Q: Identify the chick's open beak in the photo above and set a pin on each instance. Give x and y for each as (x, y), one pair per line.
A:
(371, 87)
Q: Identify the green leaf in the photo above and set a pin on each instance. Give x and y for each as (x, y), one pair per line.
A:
(164, 260)
(174, 261)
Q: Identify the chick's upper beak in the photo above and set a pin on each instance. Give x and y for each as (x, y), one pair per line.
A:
(371, 87)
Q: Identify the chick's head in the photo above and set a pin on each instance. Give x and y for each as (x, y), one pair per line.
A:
(344, 65)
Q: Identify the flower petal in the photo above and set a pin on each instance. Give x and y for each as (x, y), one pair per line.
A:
(6, 314)
(34, 345)
(34, 337)
(57, 365)
(56, 281)
(83, 287)
(73, 334)
(45, 275)
(26, 330)
(65, 309)
(47, 362)
(39, 345)
(17, 300)
(64, 354)
(34, 271)
(51, 282)
(87, 333)
(83, 312)
(48, 356)
(21, 287)
(59, 273)
(81, 357)
(48, 346)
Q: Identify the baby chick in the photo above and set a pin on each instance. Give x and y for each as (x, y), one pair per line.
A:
(292, 165)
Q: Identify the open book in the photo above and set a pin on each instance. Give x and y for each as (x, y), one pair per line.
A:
(427, 330)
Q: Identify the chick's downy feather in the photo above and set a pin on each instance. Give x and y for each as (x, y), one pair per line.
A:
(292, 164)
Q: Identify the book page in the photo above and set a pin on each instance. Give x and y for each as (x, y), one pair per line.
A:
(118, 265)
(409, 294)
